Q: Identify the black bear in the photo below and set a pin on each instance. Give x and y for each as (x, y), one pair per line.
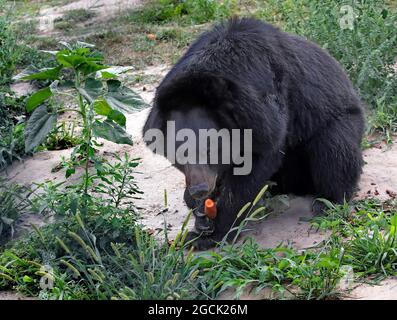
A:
(306, 119)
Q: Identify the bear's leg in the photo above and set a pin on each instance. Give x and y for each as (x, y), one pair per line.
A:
(335, 161)
(220, 225)
(235, 192)
(294, 176)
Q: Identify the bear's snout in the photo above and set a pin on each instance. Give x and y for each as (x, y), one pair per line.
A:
(199, 191)
(200, 181)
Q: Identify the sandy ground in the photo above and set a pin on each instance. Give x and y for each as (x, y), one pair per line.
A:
(380, 173)
(104, 9)
(9, 295)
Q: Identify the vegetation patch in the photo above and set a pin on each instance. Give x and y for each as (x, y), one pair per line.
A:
(367, 50)
(188, 11)
(72, 17)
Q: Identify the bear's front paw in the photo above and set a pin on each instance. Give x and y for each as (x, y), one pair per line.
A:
(199, 242)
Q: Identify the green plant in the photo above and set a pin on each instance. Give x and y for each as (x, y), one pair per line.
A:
(12, 145)
(9, 50)
(112, 190)
(101, 101)
(346, 218)
(369, 228)
(372, 251)
(63, 136)
(307, 275)
(84, 261)
(336, 216)
(14, 200)
(118, 181)
(14, 53)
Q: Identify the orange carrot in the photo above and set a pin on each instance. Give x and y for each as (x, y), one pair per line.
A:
(210, 208)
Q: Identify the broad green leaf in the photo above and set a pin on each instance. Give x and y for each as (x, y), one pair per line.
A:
(38, 98)
(66, 59)
(114, 85)
(92, 90)
(118, 117)
(81, 59)
(111, 131)
(122, 98)
(107, 75)
(89, 67)
(114, 71)
(70, 171)
(102, 108)
(95, 57)
(39, 125)
(44, 74)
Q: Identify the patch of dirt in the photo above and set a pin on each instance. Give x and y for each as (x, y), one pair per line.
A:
(249, 293)
(379, 178)
(289, 227)
(38, 168)
(103, 10)
(22, 88)
(10, 295)
(386, 290)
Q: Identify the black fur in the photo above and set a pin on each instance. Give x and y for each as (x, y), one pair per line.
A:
(307, 119)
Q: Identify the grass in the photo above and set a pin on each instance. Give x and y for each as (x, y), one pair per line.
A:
(14, 200)
(307, 275)
(362, 246)
(131, 265)
(95, 252)
(143, 45)
(15, 54)
(11, 128)
(370, 228)
(187, 12)
(62, 137)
